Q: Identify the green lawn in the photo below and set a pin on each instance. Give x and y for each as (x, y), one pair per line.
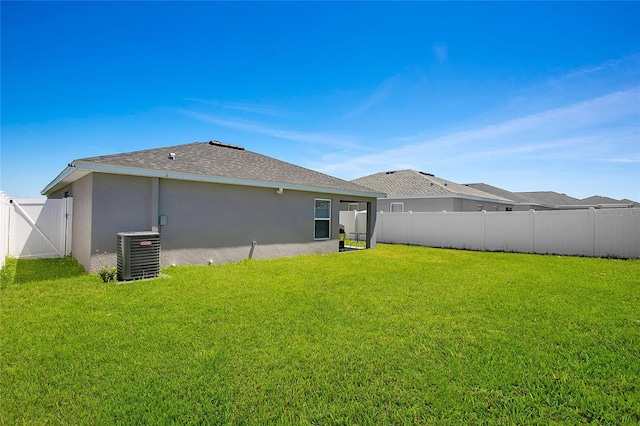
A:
(395, 335)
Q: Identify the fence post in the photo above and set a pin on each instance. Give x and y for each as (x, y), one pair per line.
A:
(532, 230)
(409, 227)
(444, 232)
(379, 225)
(484, 230)
(5, 227)
(592, 231)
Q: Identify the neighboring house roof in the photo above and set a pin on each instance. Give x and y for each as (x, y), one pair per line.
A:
(633, 203)
(551, 198)
(412, 183)
(606, 201)
(597, 199)
(212, 162)
(501, 193)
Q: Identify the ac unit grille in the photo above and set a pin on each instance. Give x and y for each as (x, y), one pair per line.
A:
(138, 255)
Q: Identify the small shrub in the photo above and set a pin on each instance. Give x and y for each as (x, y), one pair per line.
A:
(108, 274)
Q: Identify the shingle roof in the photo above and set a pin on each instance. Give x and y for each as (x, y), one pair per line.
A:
(551, 198)
(214, 159)
(411, 183)
(597, 199)
(501, 193)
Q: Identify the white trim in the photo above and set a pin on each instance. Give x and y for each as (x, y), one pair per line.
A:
(80, 168)
(401, 207)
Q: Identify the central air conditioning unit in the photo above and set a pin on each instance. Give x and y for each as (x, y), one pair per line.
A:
(138, 255)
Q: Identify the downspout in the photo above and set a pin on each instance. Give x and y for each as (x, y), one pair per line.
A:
(154, 215)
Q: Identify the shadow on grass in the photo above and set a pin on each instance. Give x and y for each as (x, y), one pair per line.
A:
(18, 271)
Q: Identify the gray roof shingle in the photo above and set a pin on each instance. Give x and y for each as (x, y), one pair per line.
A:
(225, 161)
(411, 183)
(501, 193)
(597, 199)
(551, 198)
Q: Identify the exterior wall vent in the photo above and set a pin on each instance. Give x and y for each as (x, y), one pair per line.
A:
(138, 255)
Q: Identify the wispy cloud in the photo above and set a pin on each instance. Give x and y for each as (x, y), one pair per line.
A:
(588, 130)
(440, 50)
(255, 108)
(381, 93)
(330, 139)
(611, 65)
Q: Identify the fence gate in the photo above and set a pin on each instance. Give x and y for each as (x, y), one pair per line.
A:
(40, 227)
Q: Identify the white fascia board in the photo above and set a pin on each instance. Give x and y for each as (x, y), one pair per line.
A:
(194, 177)
(61, 178)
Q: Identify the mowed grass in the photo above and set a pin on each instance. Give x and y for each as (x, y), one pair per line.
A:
(395, 335)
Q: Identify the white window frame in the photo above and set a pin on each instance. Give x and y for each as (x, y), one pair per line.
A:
(401, 207)
(316, 219)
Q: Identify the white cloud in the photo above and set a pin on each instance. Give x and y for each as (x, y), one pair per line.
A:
(589, 130)
(256, 108)
(329, 139)
(440, 50)
(380, 94)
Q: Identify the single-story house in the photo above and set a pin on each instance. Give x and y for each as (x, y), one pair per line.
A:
(411, 190)
(521, 201)
(210, 202)
(551, 200)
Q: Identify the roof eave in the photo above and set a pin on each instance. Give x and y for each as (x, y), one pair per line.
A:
(63, 178)
(451, 195)
(70, 174)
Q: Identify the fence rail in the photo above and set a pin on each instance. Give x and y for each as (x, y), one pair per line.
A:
(592, 232)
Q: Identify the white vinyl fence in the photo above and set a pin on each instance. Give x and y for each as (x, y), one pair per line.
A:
(353, 222)
(35, 227)
(592, 232)
(4, 227)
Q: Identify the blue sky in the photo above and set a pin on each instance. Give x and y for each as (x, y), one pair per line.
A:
(523, 96)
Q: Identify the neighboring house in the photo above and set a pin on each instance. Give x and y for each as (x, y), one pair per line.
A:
(411, 190)
(598, 201)
(210, 202)
(554, 200)
(521, 203)
(550, 200)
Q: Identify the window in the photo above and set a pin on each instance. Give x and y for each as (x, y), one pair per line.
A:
(353, 207)
(322, 216)
(396, 208)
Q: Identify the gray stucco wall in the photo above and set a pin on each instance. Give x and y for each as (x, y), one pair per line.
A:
(417, 204)
(120, 204)
(218, 223)
(205, 223)
(81, 191)
(437, 204)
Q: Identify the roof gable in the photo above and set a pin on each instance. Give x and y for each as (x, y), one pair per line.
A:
(213, 161)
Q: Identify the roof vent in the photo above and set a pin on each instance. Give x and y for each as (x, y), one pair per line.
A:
(226, 145)
(427, 174)
(390, 173)
(172, 156)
